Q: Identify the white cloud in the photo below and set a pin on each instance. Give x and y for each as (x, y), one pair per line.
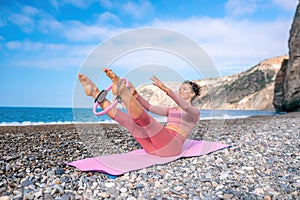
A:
(286, 4)
(137, 10)
(83, 4)
(237, 8)
(76, 31)
(26, 45)
(14, 45)
(29, 10)
(49, 25)
(26, 23)
(108, 4)
(30, 19)
(55, 4)
(232, 42)
(46, 55)
(108, 18)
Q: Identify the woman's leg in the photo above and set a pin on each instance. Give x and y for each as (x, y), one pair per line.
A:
(135, 130)
(91, 90)
(166, 142)
(122, 118)
(152, 136)
(133, 107)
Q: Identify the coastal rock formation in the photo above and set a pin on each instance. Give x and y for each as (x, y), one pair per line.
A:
(249, 90)
(287, 84)
(279, 86)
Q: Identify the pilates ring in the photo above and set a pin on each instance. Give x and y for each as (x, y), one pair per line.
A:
(102, 96)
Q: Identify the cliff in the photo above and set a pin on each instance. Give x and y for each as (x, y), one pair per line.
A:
(287, 84)
(249, 90)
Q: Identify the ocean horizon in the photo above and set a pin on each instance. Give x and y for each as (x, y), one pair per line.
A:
(22, 116)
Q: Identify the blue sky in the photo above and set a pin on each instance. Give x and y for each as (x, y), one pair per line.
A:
(43, 44)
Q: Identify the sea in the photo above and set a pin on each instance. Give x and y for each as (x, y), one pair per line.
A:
(22, 116)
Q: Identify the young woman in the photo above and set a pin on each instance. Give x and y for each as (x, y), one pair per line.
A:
(154, 137)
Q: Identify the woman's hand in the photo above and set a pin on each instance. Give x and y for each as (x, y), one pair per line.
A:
(159, 84)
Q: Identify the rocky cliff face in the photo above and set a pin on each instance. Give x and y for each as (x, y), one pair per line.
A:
(287, 85)
(250, 90)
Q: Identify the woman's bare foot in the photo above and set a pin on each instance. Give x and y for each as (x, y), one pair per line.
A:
(90, 88)
(118, 84)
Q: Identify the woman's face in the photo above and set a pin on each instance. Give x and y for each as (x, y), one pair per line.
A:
(186, 91)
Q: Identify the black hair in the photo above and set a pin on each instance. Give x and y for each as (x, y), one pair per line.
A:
(195, 87)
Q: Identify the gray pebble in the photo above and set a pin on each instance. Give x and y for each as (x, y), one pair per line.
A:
(59, 171)
(26, 183)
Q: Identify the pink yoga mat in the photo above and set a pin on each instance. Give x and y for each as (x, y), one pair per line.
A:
(118, 164)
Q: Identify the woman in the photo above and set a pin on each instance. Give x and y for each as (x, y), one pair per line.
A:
(154, 137)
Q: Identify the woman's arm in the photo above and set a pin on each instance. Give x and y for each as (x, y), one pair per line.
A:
(177, 98)
(159, 110)
(183, 104)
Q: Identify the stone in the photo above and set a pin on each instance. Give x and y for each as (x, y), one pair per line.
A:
(50, 173)
(65, 197)
(267, 197)
(227, 196)
(38, 194)
(94, 185)
(59, 171)
(248, 168)
(109, 184)
(271, 172)
(219, 187)
(113, 191)
(132, 198)
(174, 191)
(103, 195)
(123, 190)
(259, 191)
(26, 183)
(124, 195)
(29, 195)
(139, 186)
(57, 188)
(178, 188)
(239, 171)
(214, 184)
(64, 179)
(224, 175)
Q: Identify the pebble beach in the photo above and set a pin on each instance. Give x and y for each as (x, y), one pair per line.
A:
(263, 162)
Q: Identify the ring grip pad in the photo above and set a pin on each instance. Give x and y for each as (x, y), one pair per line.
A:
(101, 96)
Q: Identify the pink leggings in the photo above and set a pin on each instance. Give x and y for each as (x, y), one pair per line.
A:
(152, 136)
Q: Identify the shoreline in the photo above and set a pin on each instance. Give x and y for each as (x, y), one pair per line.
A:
(49, 117)
(263, 162)
(69, 124)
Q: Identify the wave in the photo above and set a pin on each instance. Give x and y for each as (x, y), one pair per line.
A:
(65, 116)
(225, 116)
(159, 119)
(28, 123)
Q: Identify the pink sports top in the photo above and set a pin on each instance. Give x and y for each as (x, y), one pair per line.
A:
(185, 117)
